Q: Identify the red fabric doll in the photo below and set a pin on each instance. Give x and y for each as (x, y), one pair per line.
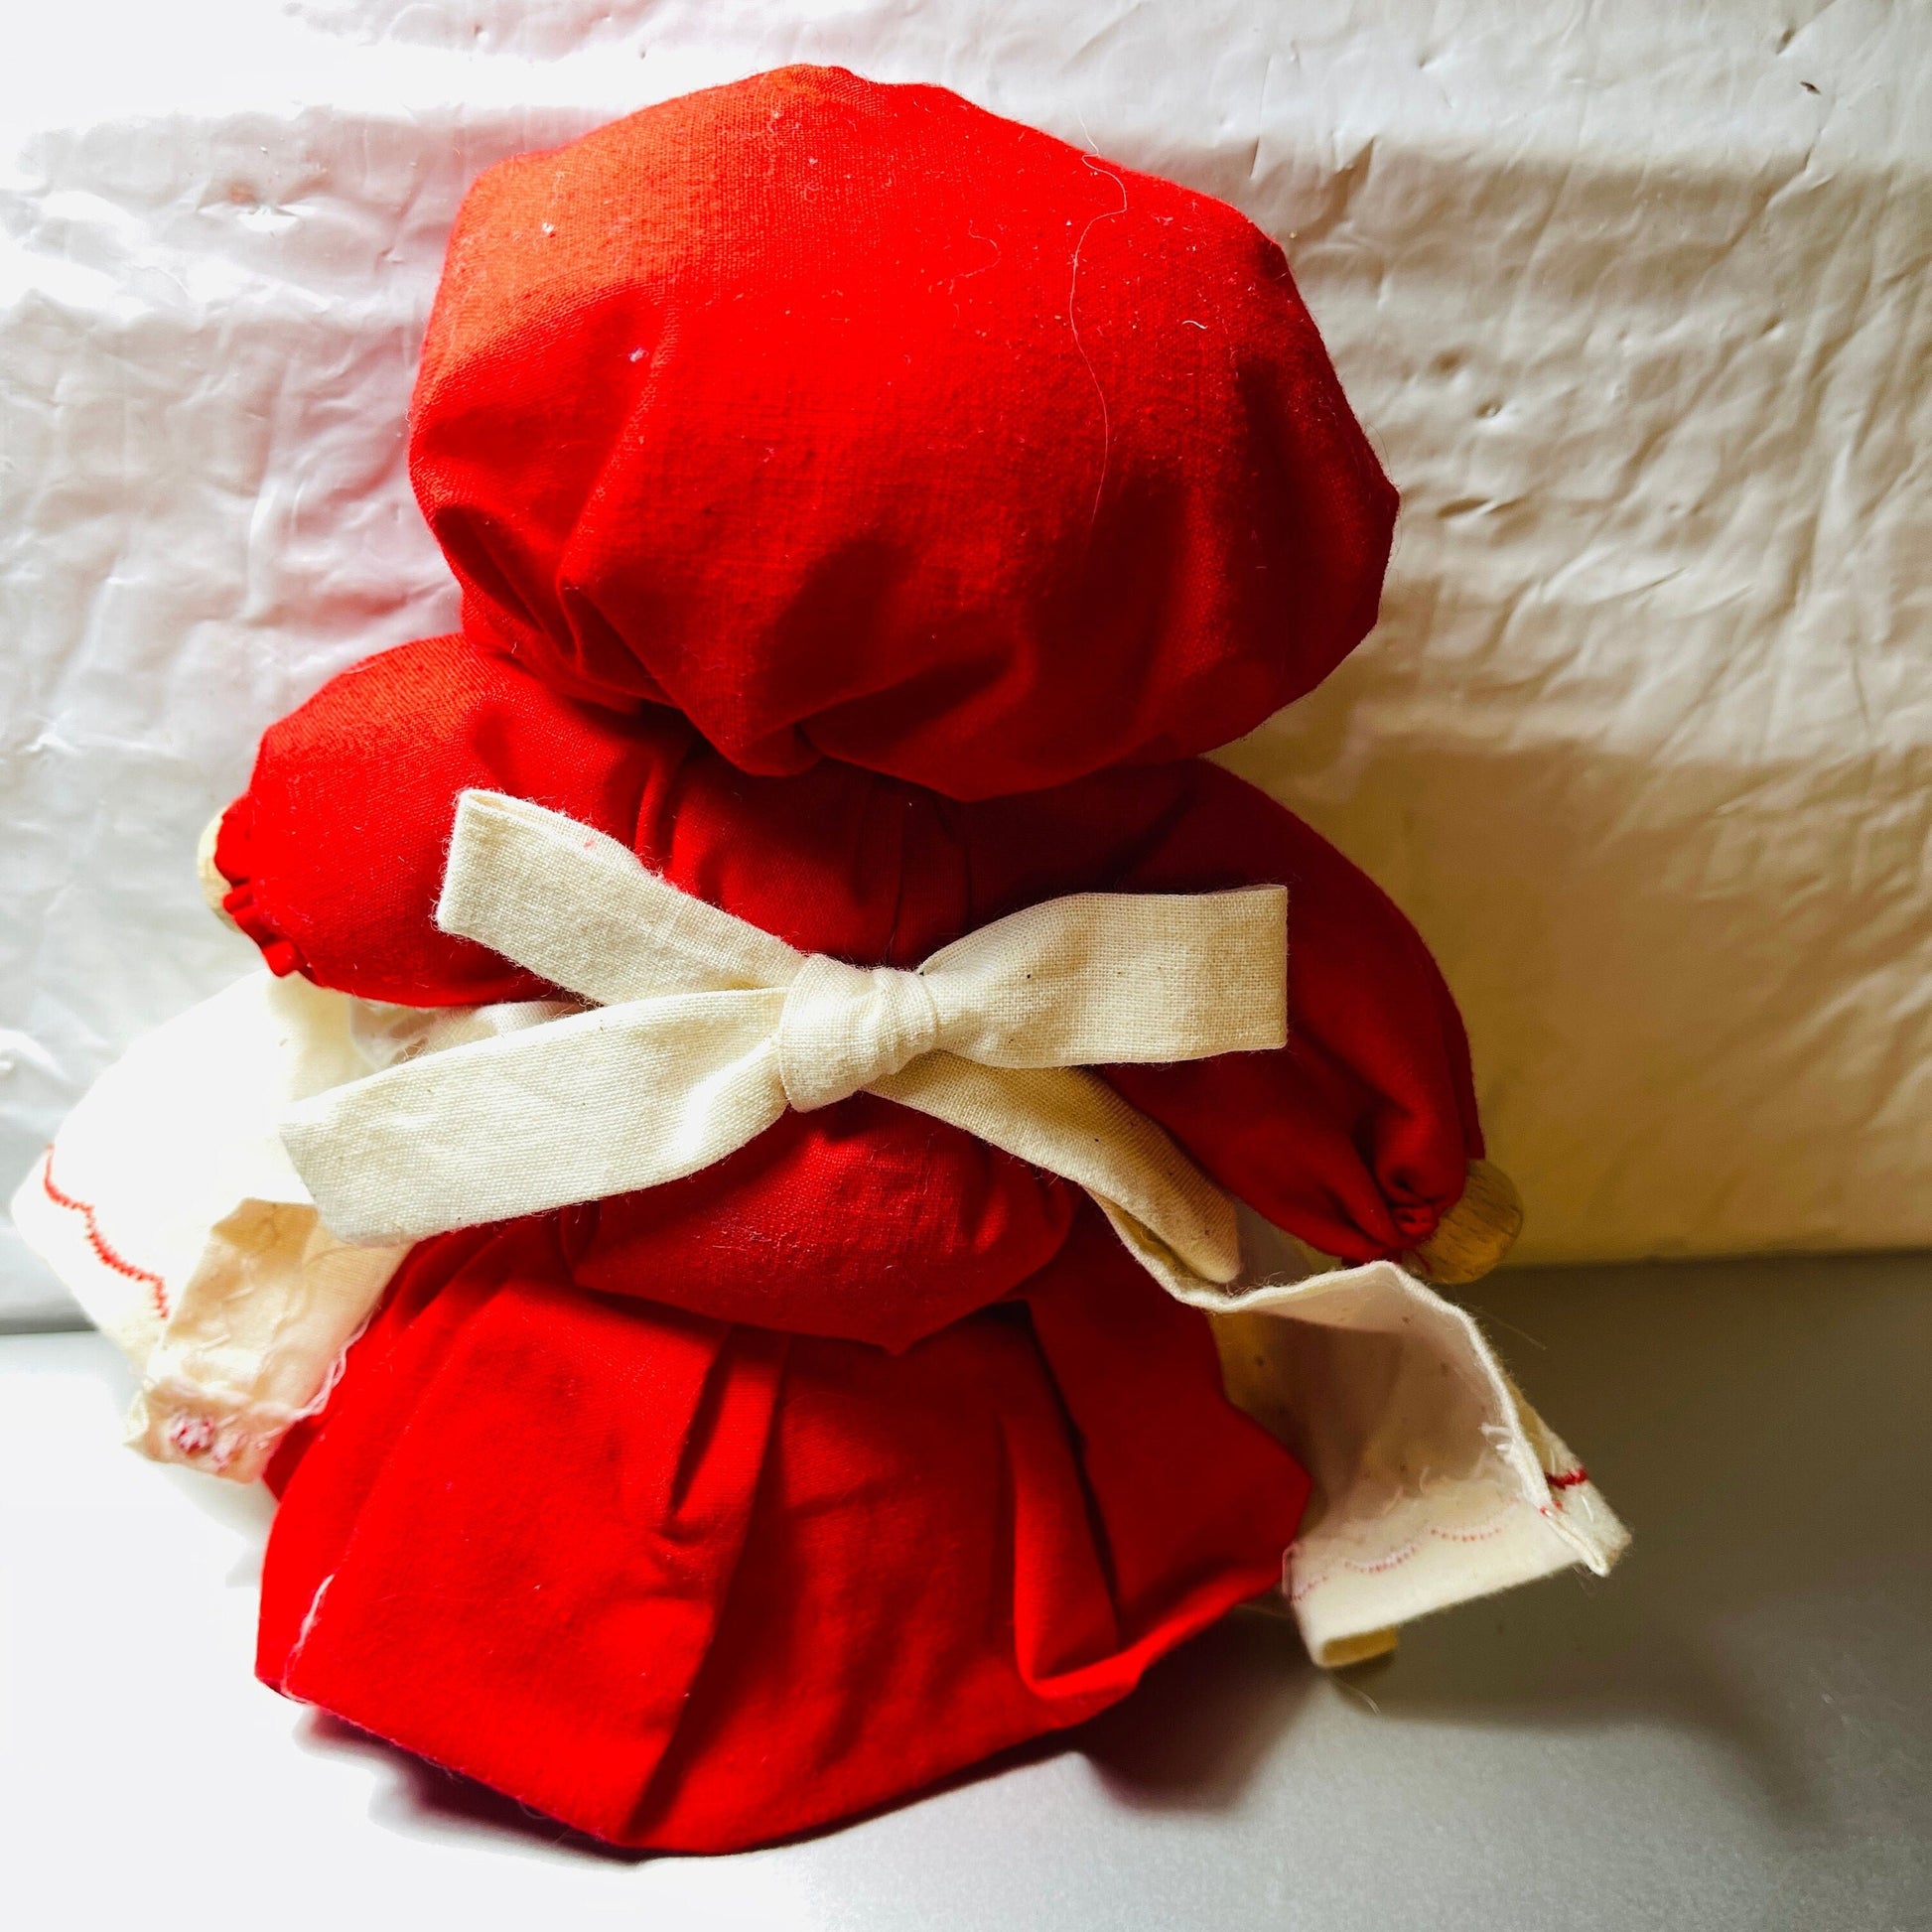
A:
(866, 510)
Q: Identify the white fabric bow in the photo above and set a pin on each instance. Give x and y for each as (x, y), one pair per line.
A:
(706, 1028)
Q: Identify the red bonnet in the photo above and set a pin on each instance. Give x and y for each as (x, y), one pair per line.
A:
(854, 420)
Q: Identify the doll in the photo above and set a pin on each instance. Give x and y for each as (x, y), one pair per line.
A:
(807, 1189)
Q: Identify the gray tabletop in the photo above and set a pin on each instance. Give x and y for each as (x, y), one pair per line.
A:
(1734, 1729)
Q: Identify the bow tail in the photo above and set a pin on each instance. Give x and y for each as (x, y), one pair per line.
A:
(1179, 1224)
(598, 1104)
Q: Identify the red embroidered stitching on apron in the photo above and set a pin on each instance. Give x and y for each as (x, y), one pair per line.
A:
(157, 1288)
(192, 1435)
(1402, 1555)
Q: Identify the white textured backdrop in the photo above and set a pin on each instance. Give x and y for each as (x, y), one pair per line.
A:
(1633, 299)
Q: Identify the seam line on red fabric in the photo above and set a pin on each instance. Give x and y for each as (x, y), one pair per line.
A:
(109, 1258)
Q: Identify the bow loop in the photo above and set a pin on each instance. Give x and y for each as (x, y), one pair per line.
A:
(1107, 979)
(844, 1027)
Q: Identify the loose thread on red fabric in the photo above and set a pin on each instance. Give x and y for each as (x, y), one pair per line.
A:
(157, 1288)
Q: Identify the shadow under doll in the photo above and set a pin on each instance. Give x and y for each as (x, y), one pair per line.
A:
(1191, 1736)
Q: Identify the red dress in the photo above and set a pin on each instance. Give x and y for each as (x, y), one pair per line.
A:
(704, 1515)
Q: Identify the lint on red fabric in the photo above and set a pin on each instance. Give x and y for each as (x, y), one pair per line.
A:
(867, 511)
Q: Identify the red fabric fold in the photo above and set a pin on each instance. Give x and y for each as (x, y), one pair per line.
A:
(693, 1586)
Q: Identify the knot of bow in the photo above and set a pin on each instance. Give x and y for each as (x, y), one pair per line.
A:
(843, 1027)
(703, 1029)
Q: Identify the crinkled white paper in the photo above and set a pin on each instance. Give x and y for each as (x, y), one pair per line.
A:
(1632, 299)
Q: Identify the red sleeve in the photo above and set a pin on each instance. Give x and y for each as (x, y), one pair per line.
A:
(1357, 1134)
(335, 851)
